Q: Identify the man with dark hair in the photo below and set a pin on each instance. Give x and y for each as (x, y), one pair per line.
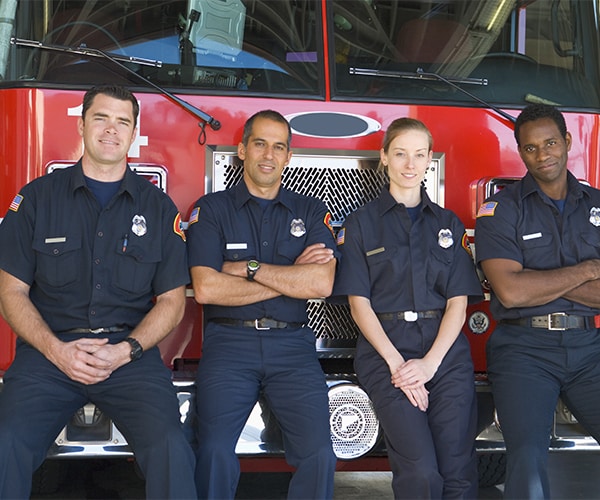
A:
(257, 252)
(92, 276)
(538, 243)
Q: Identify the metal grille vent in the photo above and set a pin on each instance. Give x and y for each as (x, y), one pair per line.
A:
(352, 420)
(331, 321)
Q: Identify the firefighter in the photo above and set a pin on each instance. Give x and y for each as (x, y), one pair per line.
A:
(257, 252)
(538, 243)
(408, 274)
(93, 276)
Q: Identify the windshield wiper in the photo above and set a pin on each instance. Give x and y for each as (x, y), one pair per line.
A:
(422, 75)
(119, 60)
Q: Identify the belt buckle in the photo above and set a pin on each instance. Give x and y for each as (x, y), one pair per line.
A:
(411, 316)
(258, 326)
(556, 328)
(96, 331)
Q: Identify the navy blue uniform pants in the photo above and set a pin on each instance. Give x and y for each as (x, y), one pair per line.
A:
(432, 453)
(236, 365)
(38, 400)
(530, 368)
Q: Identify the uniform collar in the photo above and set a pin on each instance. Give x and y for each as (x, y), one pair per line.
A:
(530, 186)
(78, 179)
(243, 196)
(387, 201)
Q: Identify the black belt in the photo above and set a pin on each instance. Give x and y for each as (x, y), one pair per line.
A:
(108, 329)
(257, 324)
(410, 315)
(554, 321)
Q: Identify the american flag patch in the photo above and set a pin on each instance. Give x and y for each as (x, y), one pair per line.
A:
(16, 203)
(487, 209)
(341, 236)
(194, 215)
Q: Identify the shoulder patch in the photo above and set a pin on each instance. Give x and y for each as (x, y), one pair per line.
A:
(341, 236)
(16, 203)
(327, 222)
(194, 216)
(466, 245)
(487, 209)
(178, 226)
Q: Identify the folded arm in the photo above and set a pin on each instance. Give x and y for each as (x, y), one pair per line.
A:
(518, 287)
(311, 276)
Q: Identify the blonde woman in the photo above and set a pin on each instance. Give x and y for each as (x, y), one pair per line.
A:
(408, 274)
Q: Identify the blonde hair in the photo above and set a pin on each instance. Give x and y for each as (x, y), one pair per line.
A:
(399, 126)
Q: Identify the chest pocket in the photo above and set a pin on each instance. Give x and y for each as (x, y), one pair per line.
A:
(535, 250)
(289, 251)
(59, 263)
(591, 245)
(135, 268)
(439, 267)
(385, 265)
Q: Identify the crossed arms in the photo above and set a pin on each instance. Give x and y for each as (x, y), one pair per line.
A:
(311, 276)
(516, 286)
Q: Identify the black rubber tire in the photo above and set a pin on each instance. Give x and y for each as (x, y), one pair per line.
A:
(492, 469)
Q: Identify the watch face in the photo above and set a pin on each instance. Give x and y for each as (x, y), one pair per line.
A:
(253, 265)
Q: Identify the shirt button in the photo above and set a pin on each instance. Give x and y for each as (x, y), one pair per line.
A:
(97, 261)
(55, 251)
(100, 234)
(98, 286)
(92, 313)
(265, 243)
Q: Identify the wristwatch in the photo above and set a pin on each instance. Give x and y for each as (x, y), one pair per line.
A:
(253, 266)
(136, 348)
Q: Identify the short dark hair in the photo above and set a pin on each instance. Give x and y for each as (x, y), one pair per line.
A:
(536, 112)
(271, 115)
(115, 91)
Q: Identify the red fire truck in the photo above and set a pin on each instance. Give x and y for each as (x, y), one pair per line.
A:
(340, 71)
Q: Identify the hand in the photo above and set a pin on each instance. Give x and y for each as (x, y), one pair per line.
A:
(317, 253)
(413, 374)
(107, 356)
(76, 360)
(417, 395)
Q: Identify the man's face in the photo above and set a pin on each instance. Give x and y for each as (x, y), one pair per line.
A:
(543, 150)
(265, 157)
(107, 130)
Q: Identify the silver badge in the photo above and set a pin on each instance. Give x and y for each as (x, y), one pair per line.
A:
(297, 228)
(445, 238)
(138, 225)
(595, 216)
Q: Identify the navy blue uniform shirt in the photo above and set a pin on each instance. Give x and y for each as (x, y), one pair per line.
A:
(231, 226)
(90, 267)
(402, 265)
(521, 223)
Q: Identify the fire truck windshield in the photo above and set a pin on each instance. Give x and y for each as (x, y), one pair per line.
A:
(503, 52)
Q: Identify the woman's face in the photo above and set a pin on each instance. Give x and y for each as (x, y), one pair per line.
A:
(407, 159)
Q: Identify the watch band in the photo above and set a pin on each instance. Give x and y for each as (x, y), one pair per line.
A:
(136, 348)
(251, 268)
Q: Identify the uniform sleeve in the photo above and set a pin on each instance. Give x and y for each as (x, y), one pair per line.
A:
(463, 279)
(172, 271)
(17, 256)
(205, 238)
(495, 231)
(352, 276)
